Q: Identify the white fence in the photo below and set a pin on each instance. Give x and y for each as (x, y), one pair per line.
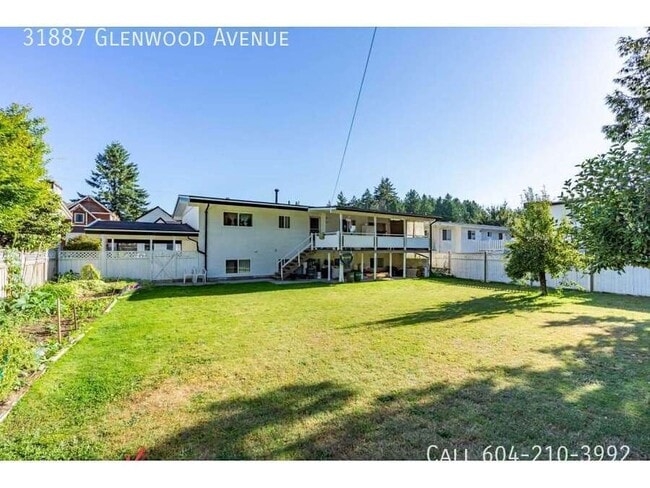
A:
(156, 265)
(36, 268)
(491, 267)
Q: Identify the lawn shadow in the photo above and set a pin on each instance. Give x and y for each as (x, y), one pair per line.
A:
(470, 310)
(218, 289)
(225, 435)
(596, 393)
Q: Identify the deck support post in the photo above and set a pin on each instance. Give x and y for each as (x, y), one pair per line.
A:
(329, 266)
(341, 271)
(361, 266)
(404, 265)
(390, 264)
(374, 266)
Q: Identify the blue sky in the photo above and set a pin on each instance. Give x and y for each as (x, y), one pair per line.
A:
(478, 113)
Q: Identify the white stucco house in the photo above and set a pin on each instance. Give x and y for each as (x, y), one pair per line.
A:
(243, 238)
(469, 238)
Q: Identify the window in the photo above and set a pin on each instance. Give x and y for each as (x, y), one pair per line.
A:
(446, 234)
(500, 236)
(244, 265)
(79, 218)
(231, 266)
(489, 234)
(471, 235)
(229, 218)
(284, 222)
(232, 219)
(234, 266)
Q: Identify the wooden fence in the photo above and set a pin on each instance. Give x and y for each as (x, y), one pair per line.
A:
(490, 267)
(37, 268)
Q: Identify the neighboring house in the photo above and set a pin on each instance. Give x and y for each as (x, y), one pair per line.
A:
(243, 238)
(63, 207)
(156, 215)
(143, 236)
(558, 210)
(86, 211)
(457, 237)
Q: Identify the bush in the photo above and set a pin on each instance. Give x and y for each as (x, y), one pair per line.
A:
(83, 243)
(89, 272)
(16, 356)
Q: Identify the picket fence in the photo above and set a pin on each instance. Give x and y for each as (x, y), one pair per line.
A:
(490, 267)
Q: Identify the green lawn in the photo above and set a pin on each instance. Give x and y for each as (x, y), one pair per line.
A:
(361, 370)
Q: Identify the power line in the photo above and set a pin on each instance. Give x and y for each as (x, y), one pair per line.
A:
(354, 114)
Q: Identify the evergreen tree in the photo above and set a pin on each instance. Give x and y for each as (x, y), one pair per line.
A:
(115, 183)
(354, 202)
(341, 200)
(412, 202)
(367, 201)
(386, 197)
(631, 101)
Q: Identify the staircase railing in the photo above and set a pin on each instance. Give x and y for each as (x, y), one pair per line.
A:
(306, 243)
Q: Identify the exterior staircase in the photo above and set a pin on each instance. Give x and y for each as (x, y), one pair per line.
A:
(294, 259)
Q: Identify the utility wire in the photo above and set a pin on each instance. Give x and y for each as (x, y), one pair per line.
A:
(354, 114)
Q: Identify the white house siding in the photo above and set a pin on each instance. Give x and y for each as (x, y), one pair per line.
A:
(263, 243)
(459, 242)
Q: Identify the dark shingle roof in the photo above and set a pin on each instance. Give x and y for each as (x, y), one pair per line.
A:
(140, 228)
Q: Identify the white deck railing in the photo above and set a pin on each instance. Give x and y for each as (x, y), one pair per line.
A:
(356, 240)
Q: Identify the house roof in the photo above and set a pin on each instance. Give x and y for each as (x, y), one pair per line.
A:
(185, 199)
(158, 207)
(88, 197)
(474, 226)
(139, 228)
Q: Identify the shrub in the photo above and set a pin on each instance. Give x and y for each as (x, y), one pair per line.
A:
(16, 356)
(83, 243)
(89, 272)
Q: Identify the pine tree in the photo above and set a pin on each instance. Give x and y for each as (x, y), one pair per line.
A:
(386, 197)
(412, 202)
(631, 101)
(115, 183)
(367, 201)
(341, 200)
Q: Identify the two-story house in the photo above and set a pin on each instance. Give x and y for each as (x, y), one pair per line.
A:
(86, 211)
(243, 238)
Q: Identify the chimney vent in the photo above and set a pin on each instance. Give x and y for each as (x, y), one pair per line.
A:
(276, 194)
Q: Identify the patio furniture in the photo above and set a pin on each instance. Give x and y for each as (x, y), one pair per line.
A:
(195, 274)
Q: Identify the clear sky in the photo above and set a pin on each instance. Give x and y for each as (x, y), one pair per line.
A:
(478, 113)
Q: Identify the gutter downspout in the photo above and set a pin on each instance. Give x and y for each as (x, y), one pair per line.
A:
(205, 240)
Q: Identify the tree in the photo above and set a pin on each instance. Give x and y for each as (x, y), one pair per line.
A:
(367, 201)
(631, 101)
(385, 196)
(497, 215)
(115, 183)
(29, 215)
(610, 201)
(341, 200)
(412, 202)
(540, 246)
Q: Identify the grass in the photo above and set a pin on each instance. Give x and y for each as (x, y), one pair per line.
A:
(376, 370)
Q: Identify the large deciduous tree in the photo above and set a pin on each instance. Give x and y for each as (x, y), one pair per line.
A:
(30, 217)
(610, 200)
(630, 101)
(115, 182)
(540, 245)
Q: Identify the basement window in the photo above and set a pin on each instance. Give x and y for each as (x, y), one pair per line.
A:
(234, 266)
